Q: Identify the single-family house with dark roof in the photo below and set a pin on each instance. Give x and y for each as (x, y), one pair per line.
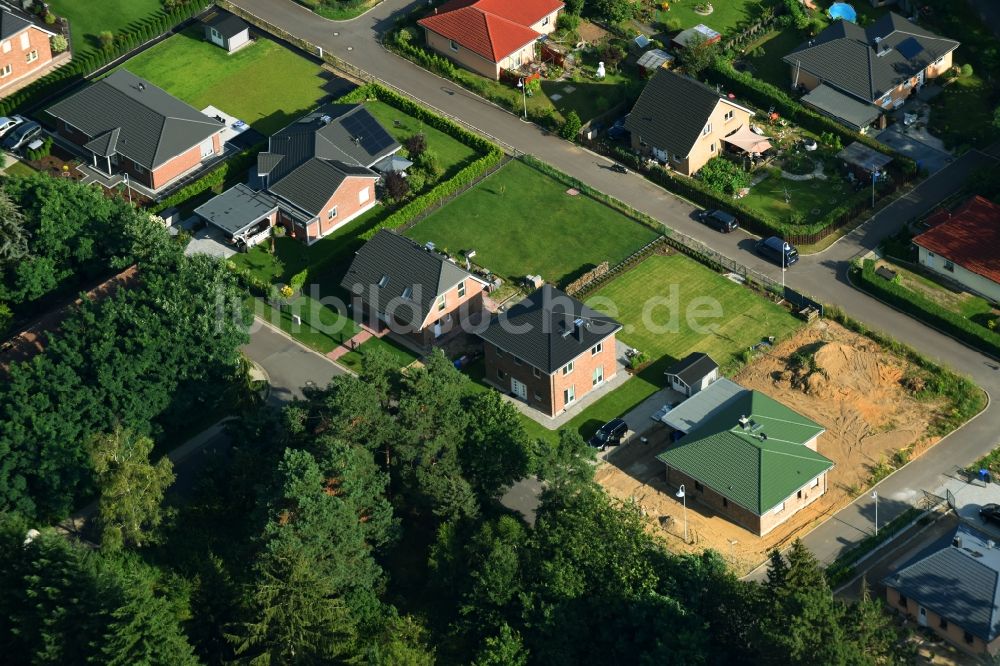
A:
(415, 291)
(550, 350)
(964, 246)
(682, 122)
(126, 125)
(692, 373)
(25, 52)
(227, 30)
(488, 36)
(952, 587)
(748, 457)
(879, 65)
(318, 171)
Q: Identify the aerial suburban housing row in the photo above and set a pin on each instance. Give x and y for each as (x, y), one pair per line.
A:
(488, 36)
(855, 74)
(25, 51)
(745, 455)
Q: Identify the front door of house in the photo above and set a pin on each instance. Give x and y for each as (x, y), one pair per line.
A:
(922, 617)
(437, 329)
(519, 389)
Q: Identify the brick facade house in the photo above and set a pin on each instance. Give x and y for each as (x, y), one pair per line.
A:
(319, 173)
(25, 51)
(127, 125)
(487, 36)
(746, 456)
(418, 293)
(879, 66)
(550, 350)
(952, 588)
(682, 122)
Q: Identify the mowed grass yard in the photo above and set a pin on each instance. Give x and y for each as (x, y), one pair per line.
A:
(807, 199)
(451, 153)
(726, 14)
(662, 304)
(263, 84)
(522, 222)
(88, 18)
(962, 115)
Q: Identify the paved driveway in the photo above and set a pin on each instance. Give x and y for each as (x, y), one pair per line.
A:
(926, 157)
(290, 366)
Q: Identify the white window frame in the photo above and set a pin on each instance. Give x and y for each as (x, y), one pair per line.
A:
(454, 45)
(332, 213)
(461, 289)
(501, 374)
(139, 169)
(442, 302)
(518, 361)
(707, 130)
(5, 47)
(711, 148)
(729, 115)
(567, 369)
(545, 21)
(597, 349)
(949, 265)
(363, 195)
(5, 71)
(598, 375)
(25, 41)
(569, 395)
(779, 508)
(536, 372)
(815, 482)
(32, 56)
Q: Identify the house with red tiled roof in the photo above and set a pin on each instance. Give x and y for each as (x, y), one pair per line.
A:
(488, 36)
(964, 245)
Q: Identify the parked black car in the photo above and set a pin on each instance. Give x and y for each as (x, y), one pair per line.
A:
(609, 434)
(990, 513)
(618, 168)
(777, 250)
(21, 135)
(719, 220)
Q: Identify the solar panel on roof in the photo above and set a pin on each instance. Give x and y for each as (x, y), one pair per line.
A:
(366, 129)
(909, 48)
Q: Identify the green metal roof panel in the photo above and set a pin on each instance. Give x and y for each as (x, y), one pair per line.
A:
(752, 452)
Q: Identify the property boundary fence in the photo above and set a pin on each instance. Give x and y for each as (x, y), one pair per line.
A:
(353, 71)
(437, 205)
(623, 265)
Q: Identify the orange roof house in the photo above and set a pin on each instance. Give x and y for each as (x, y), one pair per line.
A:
(487, 36)
(964, 245)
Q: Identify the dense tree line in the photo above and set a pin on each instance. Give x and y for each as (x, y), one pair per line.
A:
(146, 355)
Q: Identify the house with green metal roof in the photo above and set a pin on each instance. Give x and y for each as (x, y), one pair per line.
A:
(753, 460)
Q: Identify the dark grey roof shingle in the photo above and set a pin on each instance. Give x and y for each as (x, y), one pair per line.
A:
(237, 208)
(104, 145)
(845, 108)
(672, 111)
(393, 272)
(11, 23)
(345, 137)
(959, 583)
(153, 125)
(542, 330)
(228, 25)
(846, 55)
(693, 367)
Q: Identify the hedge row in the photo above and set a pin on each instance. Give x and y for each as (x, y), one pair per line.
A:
(217, 177)
(926, 310)
(81, 66)
(764, 95)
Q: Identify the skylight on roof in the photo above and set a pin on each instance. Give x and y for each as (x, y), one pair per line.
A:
(909, 48)
(408, 292)
(384, 281)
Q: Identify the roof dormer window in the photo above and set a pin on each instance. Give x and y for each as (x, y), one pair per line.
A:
(384, 281)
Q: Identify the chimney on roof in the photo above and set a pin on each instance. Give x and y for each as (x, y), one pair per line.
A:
(743, 421)
(578, 325)
(957, 542)
(142, 86)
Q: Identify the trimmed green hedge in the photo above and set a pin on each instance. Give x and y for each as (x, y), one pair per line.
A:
(81, 66)
(764, 95)
(926, 310)
(842, 570)
(235, 167)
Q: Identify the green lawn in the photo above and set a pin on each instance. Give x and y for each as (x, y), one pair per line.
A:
(400, 354)
(264, 84)
(726, 14)
(807, 199)
(19, 169)
(962, 115)
(767, 63)
(322, 328)
(687, 289)
(87, 18)
(342, 11)
(968, 305)
(522, 222)
(452, 153)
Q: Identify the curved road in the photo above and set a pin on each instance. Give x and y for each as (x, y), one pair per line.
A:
(822, 275)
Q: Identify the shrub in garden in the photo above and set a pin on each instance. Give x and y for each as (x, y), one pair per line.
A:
(396, 186)
(571, 127)
(417, 179)
(58, 43)
(724, 176)
(415, 145)
(50, 18)
(107, 39)
(966, 70)
(429, 164)
(567, 21)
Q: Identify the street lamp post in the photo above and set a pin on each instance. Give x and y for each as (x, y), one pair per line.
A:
(128, 187)
(875, 175)
(683, 497)
(524, 95)
(875, 497)
(732, 555)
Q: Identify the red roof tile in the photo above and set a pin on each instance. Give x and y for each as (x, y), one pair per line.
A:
(492, 28)
(970, 237)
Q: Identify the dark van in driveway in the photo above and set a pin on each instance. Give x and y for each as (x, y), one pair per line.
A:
(719, 220)
(778, 251)
(609, 434)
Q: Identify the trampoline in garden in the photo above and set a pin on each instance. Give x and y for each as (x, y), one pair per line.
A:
(842, 10)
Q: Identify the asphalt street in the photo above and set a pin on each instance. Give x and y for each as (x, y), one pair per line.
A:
(823, 276)
(289, 365)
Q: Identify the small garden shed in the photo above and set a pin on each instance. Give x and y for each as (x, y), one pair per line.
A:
(228, 31)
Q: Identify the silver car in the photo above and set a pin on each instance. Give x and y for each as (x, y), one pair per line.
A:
(7, 123)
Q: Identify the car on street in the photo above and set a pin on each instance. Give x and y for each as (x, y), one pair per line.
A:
(7, 123)
(719, 220)
(610, 434)
(777, 250)
(618, 168)
(21, 135)
(990, 513)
